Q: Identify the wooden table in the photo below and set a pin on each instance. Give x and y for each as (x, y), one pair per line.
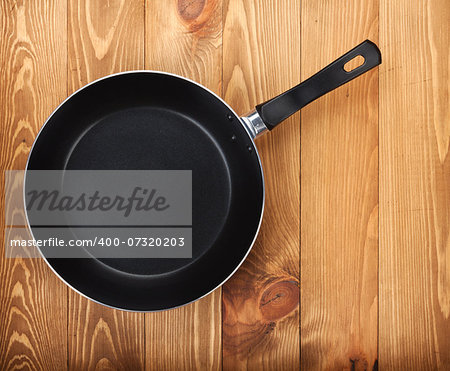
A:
(360, 179)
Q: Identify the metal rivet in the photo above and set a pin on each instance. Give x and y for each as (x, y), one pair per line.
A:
(249, 148)
(233, 138)
(230, 118)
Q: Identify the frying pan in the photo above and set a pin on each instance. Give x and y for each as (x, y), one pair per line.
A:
(145, 120)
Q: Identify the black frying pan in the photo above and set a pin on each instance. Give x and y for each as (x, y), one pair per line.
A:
(154, 120)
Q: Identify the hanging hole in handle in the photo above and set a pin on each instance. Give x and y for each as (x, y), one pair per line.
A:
(354, 63)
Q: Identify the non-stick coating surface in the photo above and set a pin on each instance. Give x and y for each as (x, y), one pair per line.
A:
(145, 120)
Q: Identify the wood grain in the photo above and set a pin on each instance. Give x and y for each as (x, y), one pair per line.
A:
(415, 185)
(33, 301)
(186, 338)
(103, 338)
(339, 195)
(185, 37)
(261, 58)
(104, 37)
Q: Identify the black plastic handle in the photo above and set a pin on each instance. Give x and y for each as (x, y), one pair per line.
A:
(332, 76)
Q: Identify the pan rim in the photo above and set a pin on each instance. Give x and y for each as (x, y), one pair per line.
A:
(254, 148)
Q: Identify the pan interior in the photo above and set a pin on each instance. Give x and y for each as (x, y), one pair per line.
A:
(155, 138)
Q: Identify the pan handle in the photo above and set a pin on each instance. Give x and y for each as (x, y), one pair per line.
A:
(269, 114)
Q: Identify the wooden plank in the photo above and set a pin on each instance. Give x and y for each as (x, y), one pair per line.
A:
(261, 43)
(33, 301)
(185, 37)
(186, 338)
(103, 338)
(339, 198)
(104, 37)
(415, 185)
